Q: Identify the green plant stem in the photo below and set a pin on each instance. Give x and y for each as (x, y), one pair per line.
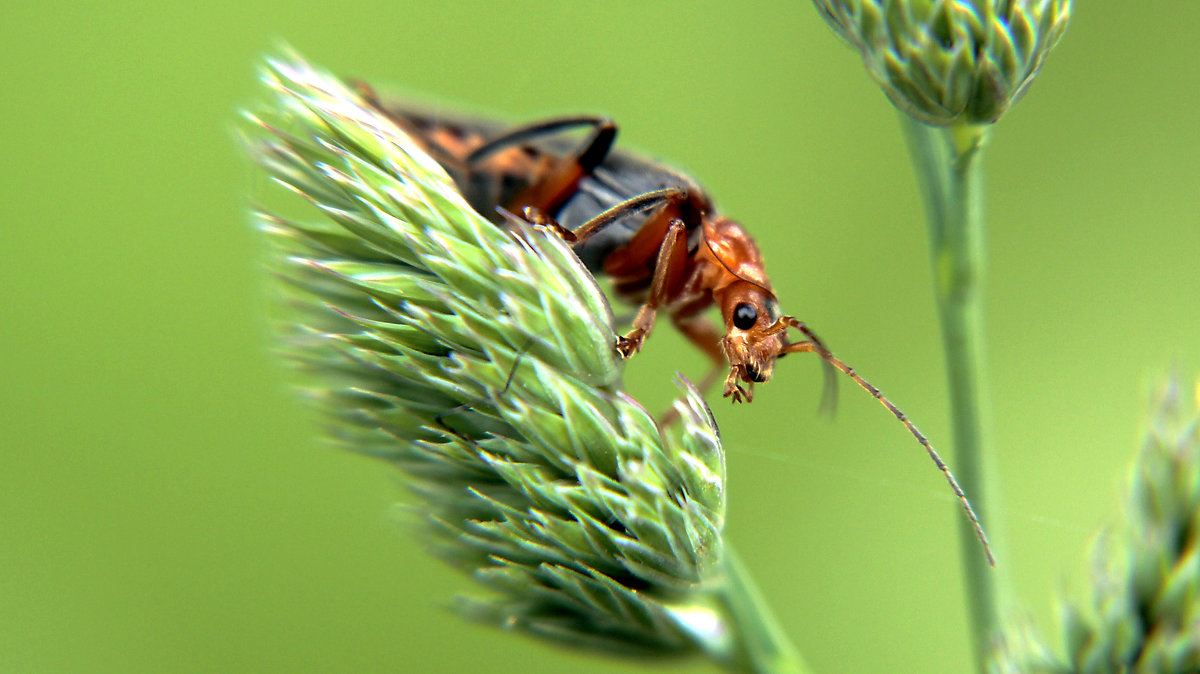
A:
(948, 163)
(756, 643)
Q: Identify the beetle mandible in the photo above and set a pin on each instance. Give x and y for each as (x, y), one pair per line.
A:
(653, 230)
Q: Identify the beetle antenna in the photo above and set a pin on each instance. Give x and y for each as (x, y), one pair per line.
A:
(815, 344)
(829, 398)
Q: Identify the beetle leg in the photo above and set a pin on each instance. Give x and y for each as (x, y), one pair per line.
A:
(548, 192)
(670, 258)
(591, 152)
(704, 335)
(734, 389)
(537, 218)
(666, 197)
(662, 199)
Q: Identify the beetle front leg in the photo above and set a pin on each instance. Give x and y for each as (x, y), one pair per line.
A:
(734, 389)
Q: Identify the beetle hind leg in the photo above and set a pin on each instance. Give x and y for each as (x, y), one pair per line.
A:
(560, 178)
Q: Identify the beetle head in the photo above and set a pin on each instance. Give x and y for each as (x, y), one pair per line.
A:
(754, 337)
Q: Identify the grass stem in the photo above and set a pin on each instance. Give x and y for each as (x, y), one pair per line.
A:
(948, 163)
(758, 646)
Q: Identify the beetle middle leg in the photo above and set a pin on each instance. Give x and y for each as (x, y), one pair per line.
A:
(671, 257)
(703, 334)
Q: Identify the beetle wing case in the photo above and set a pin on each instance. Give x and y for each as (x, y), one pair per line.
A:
(498, 179)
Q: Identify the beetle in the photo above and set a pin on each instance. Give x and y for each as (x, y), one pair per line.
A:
(651, 229)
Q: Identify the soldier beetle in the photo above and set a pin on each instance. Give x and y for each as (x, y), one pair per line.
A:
(649, 228)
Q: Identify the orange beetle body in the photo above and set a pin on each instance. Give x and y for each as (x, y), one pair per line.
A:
(651, 229)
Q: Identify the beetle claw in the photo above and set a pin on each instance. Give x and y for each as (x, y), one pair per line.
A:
(631, 343)
(735, 390)
(537, 218)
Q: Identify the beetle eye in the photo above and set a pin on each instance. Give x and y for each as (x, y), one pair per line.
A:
(744, 316)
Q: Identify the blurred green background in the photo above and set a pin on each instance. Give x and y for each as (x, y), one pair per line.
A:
(165, 504)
